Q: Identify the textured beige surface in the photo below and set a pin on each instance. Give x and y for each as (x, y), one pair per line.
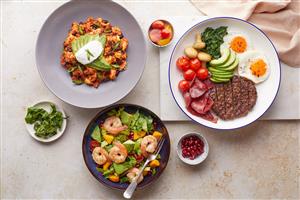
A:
(259, 161)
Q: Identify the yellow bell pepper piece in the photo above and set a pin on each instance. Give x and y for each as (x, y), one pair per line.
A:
(157, 135)
(108, 138)
(154, 163)
(138, 134)
(146, 171)
(114, 178)
(164, 42)
(106, 165)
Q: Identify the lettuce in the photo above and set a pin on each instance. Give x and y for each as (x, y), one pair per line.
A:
(96, 135)
(121, 168)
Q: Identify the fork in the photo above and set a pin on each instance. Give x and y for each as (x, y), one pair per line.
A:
(131, 188)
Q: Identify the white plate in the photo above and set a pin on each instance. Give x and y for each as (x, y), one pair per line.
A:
(266, 91)
(46, 105)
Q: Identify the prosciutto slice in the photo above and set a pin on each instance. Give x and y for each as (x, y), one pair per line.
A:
(187, 98)
(199, 104)
(198, 89)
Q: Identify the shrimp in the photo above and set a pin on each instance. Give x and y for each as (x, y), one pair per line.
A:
(133, 173)
(118, 153)
(148, 145)
(100, 156)
(113, 125)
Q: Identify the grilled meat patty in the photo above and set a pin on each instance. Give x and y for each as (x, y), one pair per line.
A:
(233, 99)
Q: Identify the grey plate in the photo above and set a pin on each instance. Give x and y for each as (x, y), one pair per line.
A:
(49, 48)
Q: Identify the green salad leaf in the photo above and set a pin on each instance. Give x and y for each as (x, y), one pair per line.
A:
(129, 144)
(122, 167)
(45, 124)
(96, 134)
(213, 39)
(78, 43)
(124, 179)
(137, 146)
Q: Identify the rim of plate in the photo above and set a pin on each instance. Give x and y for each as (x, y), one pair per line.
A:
(67, 101)
(105, 111)
(211, 19)
(59, 132)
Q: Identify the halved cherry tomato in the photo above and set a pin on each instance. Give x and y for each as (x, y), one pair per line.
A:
(189, 75)
(94, 144)
(158, 24)
(183, 85)
(183, 63)
(155, 35)
(195, 64)
(165, 33)
(202, 73)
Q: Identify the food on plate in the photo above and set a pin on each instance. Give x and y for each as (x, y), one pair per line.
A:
(223, 68)
(190, 52)
(94, 51)
(192, 147)
(238, 42)
(46, 124)
(198, 44)
(233, 99)
(161, 32)
(254, 66)
(220, 81)
(213, 38)
(121, 144)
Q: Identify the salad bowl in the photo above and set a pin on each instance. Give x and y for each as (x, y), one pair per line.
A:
(100, 118)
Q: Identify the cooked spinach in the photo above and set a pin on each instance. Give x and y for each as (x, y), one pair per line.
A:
(45, 124)
(213, 39)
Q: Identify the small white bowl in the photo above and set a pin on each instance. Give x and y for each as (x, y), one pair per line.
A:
(198, 159)
(46, 105)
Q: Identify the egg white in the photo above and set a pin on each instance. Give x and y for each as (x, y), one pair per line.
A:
(245, 63)
(231, 35)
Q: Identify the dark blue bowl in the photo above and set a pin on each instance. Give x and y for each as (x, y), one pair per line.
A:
(100, 117)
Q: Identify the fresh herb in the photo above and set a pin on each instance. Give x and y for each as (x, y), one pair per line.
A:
(96, 135)
(89, 54)
(45, 123)
(115, 66)
(81, 32)
(77, 82)
(153, 171)
(116, 46)
(213, 39)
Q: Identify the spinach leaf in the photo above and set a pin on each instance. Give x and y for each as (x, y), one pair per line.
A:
(213, 39)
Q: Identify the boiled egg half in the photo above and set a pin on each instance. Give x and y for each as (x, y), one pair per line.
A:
(254, 66)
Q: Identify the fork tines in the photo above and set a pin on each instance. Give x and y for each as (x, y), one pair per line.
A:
(159, 146)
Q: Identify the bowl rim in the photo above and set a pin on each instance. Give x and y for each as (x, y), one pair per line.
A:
(61, 7)
(59, 133)
(107, 109)
(204, 154)
(237, 19)
(173, 33)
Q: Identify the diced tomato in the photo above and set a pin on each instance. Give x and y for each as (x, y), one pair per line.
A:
(195, 64)
(158, 24)
(165, 33)
(94, 144)
(184, 85)
(189, 75)
(155, 35)
(202, 73)
(183, 63)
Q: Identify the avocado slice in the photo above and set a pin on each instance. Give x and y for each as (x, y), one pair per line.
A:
(225, 56)
(222, 76)
(230, 60)
(213, 70)
(233, 66)
(129, 144)
(219, 80)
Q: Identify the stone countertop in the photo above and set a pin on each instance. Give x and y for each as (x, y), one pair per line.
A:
(260, 161)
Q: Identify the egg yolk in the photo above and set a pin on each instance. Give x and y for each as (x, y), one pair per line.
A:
(258, 67)
(238, 44)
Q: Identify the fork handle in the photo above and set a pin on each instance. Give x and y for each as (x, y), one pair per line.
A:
(131, 188)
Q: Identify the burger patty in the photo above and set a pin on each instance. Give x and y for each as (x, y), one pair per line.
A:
(233, 99)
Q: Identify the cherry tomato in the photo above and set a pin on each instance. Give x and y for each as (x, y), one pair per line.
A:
(94, 144)
(165, 33)
(202, 73)
(155, 35)
(158, 24)
(189, 75)
(195, 64)
(183, 63)
(183, 85)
